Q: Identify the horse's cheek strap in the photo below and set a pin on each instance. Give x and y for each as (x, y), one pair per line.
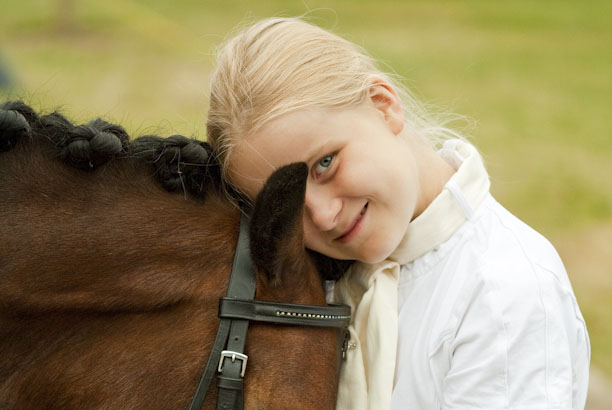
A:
(241, 285)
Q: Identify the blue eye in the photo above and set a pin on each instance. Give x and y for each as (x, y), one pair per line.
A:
(323, 164)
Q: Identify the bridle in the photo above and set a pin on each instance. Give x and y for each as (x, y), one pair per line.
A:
(236, 310)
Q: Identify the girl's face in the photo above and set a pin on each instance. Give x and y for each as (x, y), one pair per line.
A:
(364, 183)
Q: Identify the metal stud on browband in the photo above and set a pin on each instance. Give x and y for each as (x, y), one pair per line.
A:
(282, 313)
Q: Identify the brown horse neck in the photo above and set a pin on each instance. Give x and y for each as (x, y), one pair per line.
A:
(63, 227)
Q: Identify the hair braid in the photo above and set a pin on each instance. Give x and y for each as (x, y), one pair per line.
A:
(182, 164)
(15, 123)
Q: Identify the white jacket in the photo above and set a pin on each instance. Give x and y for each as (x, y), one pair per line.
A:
(487, 319)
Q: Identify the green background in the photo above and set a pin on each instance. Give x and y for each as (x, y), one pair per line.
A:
(534, 77)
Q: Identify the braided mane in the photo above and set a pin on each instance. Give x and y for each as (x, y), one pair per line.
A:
(180, 163)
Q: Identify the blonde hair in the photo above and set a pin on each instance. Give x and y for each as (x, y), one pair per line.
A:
(279, 65)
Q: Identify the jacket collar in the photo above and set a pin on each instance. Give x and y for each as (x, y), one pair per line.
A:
(462, 194)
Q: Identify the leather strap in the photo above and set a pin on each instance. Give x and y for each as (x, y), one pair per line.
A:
(285, 313)
(232, 369)
(231, 394)
(242, 285)
(211, 365)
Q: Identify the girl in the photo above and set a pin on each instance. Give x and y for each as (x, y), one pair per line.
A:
(456, 303)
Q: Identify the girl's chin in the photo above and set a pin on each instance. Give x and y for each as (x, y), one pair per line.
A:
(364, 254)
(377, 254)
(373, 257)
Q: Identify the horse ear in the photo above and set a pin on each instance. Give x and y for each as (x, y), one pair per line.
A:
(276, 230)
(329, 268)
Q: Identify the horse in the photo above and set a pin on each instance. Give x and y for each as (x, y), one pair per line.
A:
(115, 253)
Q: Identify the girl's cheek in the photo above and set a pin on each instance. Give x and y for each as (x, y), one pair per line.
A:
(309, 232)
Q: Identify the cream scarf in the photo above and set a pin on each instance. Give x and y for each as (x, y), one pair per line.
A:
(366, 378)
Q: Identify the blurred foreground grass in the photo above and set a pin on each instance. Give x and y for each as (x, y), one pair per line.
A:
(535, 76)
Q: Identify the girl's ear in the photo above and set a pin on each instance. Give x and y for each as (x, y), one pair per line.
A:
(385, 99)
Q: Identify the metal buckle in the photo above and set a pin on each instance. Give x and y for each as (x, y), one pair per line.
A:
(233, 355)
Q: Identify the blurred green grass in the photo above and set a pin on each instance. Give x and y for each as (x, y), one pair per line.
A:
(535, 76)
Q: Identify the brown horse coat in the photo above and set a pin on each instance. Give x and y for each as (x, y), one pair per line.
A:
(109, 285)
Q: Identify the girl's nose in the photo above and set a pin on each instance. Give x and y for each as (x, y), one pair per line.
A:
(322, 207)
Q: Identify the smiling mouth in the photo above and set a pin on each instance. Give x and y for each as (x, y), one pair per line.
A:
(352, 230)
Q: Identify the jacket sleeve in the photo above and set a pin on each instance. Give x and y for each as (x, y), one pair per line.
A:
(518, 340)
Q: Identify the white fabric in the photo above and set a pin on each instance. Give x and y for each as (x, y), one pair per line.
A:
(366, 378)
(445, 214)
(487, 317)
